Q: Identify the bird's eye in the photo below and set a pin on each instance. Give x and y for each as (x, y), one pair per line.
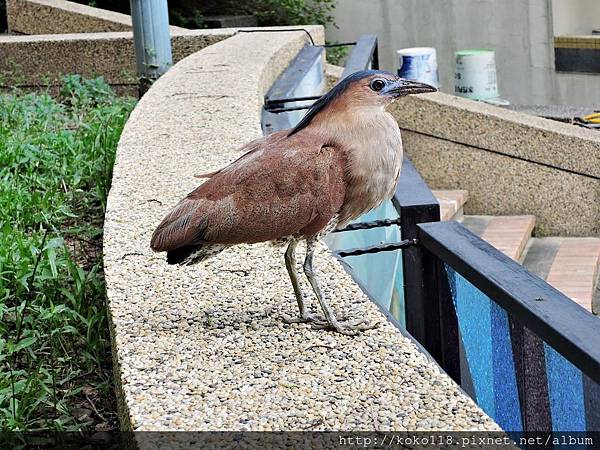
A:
(377, 84)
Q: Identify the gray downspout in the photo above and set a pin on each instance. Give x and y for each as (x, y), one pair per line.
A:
(152, 40)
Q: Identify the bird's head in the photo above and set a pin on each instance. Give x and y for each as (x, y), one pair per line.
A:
(364, 91)
(375, 88)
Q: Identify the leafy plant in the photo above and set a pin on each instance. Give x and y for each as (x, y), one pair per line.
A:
(268, 12)
(56, 158)
(191, 13)
(293, 12)
(337, 55)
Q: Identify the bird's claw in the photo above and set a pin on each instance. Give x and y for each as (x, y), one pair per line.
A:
(305, 318)
(348, 327)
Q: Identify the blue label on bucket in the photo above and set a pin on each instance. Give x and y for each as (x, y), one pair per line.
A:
(421, 68)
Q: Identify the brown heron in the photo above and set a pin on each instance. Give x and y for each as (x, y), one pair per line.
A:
(341, 160)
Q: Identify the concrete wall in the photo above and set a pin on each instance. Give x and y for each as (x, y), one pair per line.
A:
(511, 163)
(520, 32)
(203, 347)
(575, 16)
(61, 17)
(24, 61)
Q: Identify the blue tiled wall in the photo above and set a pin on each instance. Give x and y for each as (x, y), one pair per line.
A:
(487, 340)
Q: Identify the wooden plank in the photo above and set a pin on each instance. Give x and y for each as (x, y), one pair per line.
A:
(509, 234)
(451, 203)
(574, 270)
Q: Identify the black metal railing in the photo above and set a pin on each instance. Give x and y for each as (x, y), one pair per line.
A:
(558, 320)
(494, 316)
(284, 96)
(415, 203)
(364, 56)
(542, 324)
(291, 88)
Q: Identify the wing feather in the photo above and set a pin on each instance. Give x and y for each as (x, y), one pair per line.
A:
(281, 186)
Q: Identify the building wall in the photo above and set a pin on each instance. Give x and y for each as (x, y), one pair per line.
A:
(509, 162)
(520, 32)
(575, 16)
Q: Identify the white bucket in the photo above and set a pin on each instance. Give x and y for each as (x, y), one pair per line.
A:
(475, 74)
(419, 64)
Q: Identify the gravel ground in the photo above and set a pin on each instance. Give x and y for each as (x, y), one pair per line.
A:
(204, 347)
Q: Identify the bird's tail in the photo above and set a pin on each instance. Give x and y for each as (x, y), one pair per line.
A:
(192, 254)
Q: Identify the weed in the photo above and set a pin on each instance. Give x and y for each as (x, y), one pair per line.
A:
(56, 158)
(337, 55)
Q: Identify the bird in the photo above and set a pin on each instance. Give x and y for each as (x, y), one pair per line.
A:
(341, 160)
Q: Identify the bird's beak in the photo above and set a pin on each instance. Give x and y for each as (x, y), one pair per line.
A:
(403, 87)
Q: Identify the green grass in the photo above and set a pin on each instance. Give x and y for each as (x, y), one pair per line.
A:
(56, 158)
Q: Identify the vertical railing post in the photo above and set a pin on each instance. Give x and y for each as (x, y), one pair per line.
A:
(375, 60)
(449, 346)
(152, 40)
(419, 271)
(429, 312)
(416, 204)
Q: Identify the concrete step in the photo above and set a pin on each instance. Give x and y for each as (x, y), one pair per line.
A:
(571, 265)
(509, 234)
(451, 203)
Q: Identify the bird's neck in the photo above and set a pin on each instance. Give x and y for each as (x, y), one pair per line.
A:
(369, 135)
(371, 142)
(350, 127)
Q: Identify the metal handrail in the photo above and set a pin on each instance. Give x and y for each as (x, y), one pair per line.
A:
(363, 56)
(556, 319)
(284, 90)
(428, 245)
(415, 203)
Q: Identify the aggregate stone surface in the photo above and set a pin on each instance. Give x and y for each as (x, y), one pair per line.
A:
(204, 347)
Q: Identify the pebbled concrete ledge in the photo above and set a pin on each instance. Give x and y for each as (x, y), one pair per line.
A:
(530, 165)
(61, 17)
(24, 61)
(204, 347)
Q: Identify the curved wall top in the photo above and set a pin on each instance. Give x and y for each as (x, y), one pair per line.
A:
(531, 165)
(204, 347)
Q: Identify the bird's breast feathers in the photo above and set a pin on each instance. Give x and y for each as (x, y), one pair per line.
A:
(374, 161)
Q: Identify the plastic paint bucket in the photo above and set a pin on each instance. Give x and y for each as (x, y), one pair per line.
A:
(419, 64)
(475, 74)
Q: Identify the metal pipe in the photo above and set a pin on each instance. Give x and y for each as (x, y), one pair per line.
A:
(152, 40)
(278, 101)
(377, 248)
(290, 108)
(369, 225)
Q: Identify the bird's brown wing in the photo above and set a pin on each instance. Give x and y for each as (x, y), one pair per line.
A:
(248, 149)
(284, 187)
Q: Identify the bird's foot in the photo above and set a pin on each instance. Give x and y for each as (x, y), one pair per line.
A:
(347, 327)
(305, 318)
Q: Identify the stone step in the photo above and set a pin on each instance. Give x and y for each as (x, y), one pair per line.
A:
(509, 234)
(451, 203)
(571, 265)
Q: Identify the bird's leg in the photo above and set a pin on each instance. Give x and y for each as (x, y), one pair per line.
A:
(347, 327)
(290, 264)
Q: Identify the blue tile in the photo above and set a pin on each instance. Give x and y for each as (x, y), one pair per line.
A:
(508, 408)
(565, 387)
(473, 310)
